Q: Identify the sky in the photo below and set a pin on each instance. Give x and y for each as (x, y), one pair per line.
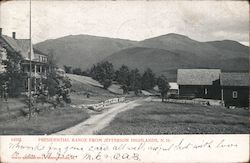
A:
(133, 20)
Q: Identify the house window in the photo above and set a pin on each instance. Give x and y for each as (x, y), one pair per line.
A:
(235, 94)
(205, 91)
(43, 59)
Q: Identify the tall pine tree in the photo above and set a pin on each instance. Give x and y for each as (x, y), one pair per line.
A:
(148, 79)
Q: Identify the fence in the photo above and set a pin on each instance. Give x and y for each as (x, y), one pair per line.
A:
(100, 105)
(201, 102)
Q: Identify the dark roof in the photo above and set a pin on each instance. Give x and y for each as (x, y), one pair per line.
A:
(19, 45)
(234, 79)
(197, 76)
(22, 46)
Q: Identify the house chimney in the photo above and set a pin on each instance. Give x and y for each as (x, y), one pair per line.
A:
(14, 35)
(1, 29)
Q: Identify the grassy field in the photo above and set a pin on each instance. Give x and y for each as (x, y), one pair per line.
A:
(14, 121)
(46, 122)
(170, 118)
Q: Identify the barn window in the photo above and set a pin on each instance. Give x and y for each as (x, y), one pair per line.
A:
(235, 94)
(205, 91)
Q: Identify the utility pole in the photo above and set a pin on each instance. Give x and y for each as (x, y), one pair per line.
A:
(30, 72)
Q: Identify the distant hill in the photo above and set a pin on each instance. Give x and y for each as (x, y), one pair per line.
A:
(230, 45)
(159, 60)
(82, 50)
(164, 54)
(183, 44)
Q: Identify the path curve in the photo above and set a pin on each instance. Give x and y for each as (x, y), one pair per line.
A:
(99, 121)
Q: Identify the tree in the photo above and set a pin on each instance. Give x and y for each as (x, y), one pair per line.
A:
(135, 80)
(63, 89)
(67, 69)
(52, 61)
(122, 77)
(13, 76)
(56, 84)
(51, 83)
(86, 72)
(163, 86)
(77, 71)
(148, 79)
(103, 72)
(106, 83)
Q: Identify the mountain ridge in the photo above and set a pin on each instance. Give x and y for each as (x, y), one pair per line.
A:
(177, 51)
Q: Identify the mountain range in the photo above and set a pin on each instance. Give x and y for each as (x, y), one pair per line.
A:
(82, 50)
(163, 54)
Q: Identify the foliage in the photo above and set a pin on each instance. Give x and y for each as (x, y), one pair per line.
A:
(67, 69)
(122, 75)
(3, 79)
(163, 86)
(103, 72)
(52, 61)
(86, 72)
(64, 89)
(129, 80)
(77, 71)
(148, 79)
(135, 80)
(57, 85)
(106, 83)
(51, 83)
(13, 77)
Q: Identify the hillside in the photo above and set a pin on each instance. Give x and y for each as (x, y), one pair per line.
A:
(159, 60)
(165, 54)
(183, 44)
(82, 50)
(83, 85)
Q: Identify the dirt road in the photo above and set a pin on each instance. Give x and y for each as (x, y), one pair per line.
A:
(99, 121)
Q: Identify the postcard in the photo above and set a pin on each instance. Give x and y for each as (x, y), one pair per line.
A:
(124, 81)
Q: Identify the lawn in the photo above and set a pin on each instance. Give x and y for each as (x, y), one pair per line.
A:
(14, 122)
(170, 118)
(46, 122)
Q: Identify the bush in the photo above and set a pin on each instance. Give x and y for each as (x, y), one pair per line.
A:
(91, 108)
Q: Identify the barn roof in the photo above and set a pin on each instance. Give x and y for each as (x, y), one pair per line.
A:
(197, 76)
(234, 79)
(173, 85)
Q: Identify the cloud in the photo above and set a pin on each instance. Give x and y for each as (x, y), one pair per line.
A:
(137, 20)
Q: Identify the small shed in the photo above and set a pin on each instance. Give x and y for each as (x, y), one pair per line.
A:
(146, 93)
(235, 89)
(173, 89)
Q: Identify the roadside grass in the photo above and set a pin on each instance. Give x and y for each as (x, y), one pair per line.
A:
(169, 118)
(46, 122)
